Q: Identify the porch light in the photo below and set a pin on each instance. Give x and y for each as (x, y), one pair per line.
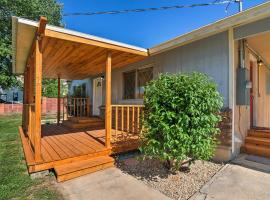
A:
(260, 63)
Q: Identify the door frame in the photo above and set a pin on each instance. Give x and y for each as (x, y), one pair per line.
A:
(94, 92)
(251, 97)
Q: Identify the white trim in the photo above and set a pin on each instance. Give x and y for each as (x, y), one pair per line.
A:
(95, 80)
(79, 34)
(231, 81)
(250, 15)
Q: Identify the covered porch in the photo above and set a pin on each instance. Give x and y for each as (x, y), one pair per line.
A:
(44, 51)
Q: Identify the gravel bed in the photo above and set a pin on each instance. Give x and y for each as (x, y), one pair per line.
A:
(181, 185)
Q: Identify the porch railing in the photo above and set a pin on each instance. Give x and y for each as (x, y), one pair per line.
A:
(76, 107)
(126, 122)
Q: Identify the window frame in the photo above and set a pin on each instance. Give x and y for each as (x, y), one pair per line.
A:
(136, 95)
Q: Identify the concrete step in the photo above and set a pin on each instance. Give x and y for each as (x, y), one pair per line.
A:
(75, 169)
(257, 150)
(258, 141)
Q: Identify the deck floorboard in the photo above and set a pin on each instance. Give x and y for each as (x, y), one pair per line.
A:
(62, 145)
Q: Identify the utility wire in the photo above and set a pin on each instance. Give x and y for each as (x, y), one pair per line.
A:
(113, 12)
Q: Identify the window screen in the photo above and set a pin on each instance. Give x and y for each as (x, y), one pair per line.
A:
(129, 85)
(144, 76)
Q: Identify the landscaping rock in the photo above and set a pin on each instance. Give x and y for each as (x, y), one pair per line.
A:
(181, 185)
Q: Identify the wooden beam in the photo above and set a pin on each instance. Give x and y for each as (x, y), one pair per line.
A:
(58, 99)
(39, 34)
(108, 108)
(38, 88)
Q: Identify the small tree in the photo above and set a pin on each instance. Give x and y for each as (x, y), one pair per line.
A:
(180, 118)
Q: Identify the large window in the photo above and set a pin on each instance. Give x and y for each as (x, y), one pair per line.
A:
(134, 82)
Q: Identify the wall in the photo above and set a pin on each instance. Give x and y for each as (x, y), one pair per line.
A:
(209, 55)
(261, 97)
(49, 106)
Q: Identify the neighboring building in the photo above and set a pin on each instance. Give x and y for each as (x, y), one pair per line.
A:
(12, 95)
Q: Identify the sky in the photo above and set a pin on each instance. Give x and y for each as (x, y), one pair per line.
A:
(145, 29)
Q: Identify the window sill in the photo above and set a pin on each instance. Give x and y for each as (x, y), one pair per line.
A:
(131, 101)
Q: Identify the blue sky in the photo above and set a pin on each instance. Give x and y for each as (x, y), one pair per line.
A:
(145, 29)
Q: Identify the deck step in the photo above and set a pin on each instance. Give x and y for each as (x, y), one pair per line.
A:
(259, 133)
(86, 119)
(94, 124)
(259, 150)
(72, 170)
(258, 141)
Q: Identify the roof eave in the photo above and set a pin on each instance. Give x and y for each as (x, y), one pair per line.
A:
(247, 16)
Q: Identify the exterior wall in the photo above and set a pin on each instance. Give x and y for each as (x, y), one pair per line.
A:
(209, 55)
(251, 29)
(261, 94)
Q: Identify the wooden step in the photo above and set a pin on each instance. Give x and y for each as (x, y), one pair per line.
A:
(257, 150)
(80, 168)
(259, 133)
(258, 141)
(70, 124)
(86, 119)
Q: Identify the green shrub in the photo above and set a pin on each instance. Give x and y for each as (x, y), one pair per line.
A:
(180, 118)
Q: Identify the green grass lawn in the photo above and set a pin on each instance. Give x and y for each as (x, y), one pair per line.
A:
(15, 183)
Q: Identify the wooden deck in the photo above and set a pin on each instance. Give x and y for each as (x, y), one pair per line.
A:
(61, 145)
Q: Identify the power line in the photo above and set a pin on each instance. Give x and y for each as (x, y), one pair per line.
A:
(113, 12)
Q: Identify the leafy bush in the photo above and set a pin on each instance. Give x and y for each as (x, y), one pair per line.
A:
(180, 118)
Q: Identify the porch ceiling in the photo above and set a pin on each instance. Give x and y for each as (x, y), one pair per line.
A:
(69, 54)
(261, 43)
(74, 60)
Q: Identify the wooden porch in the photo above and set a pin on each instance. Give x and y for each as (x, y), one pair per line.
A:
(62, 146)
(81, 141)
(74, 146)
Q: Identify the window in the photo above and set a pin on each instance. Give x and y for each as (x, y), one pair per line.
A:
(79, 90)
(129, 85)
(144, 76)
(135, 81)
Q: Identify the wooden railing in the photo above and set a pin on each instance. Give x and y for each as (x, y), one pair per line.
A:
(126, 122)
(76, 107)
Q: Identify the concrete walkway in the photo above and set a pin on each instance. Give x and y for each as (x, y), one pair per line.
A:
(236, 182)
(108, 184)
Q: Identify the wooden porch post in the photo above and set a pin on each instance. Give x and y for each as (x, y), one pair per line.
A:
(24, 120)
(108, 108)
(38, 87)
(38, 79)
(58, 100)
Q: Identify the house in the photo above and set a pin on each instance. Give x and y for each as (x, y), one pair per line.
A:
(11, 95)
(108, 80)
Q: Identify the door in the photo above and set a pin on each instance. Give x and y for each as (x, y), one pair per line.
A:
(97, 95)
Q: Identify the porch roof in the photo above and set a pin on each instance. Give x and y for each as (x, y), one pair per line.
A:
(69, 54)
